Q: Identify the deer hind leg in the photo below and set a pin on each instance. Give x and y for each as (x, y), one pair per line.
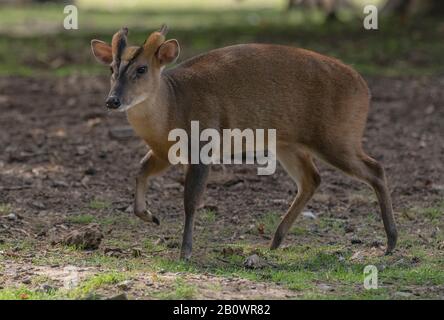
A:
(301, 168)
(359, 165)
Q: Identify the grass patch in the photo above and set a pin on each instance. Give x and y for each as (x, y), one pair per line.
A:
(91, 285)
(434, 213)
(23, 293)
(208, 216)
(98, 204)
(43, 47)
(5, 208)
(269, 222)
(181, 291)
(81, 219)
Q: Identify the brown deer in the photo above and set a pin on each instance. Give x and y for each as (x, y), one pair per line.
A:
(317, 105)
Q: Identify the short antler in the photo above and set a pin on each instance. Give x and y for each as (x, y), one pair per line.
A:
(118, 43)
(155, 40)
(163, 30)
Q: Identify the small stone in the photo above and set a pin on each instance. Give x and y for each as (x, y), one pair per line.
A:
(253, 262)
(26, 281)
(325, 287)
(121, 296)
(402, 294)
(309, 215)
(11, 217)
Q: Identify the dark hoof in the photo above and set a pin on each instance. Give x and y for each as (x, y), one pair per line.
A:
(147, 216)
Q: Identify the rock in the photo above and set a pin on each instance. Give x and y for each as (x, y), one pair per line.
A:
(402, 294)
(125, 285)
(88, 237)
(309, 215)
(121, 296)
(11, 217)
(325, 287)
(254, 262)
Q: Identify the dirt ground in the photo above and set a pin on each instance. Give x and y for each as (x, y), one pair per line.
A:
(62, 158)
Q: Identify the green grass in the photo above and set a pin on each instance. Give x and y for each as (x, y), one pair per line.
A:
(98, 204)
(181, 290)
(304, 269)
(91, 285)
(208, 216)
(434, 213)
(5, 208)
(301, 269)
(269, 223)
(31, 49)
(23, 293)
(81, 219)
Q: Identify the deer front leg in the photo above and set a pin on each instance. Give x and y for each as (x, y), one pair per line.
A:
(150, 165)
(195, 183)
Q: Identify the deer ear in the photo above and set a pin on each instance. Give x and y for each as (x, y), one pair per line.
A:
(101, 51)
(168, 52)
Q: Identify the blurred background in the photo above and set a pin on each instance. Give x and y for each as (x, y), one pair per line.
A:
(409, 40)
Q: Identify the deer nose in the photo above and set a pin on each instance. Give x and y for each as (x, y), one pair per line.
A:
(112, 102)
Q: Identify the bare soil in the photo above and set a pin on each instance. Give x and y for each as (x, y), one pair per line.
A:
(59, 157)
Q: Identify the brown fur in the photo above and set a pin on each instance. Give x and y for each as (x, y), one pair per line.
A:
(317, 105)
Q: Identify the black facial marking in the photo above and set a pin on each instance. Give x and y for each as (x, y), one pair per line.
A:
(124, 68)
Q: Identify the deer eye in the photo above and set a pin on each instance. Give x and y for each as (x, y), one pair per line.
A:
(141, 70)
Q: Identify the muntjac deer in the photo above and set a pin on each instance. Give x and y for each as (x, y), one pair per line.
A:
(317, 105)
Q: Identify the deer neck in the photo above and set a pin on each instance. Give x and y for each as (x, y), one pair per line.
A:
(150, 119)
